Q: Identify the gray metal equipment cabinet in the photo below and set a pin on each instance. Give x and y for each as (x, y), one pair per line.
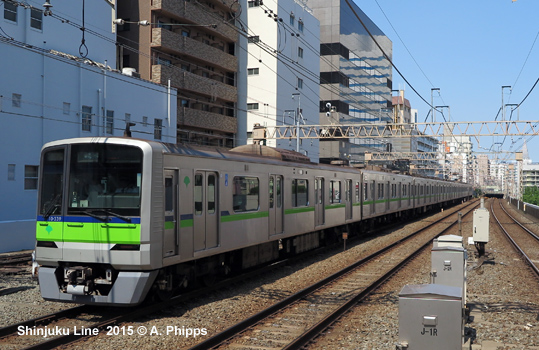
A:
(448, 267)
(430, 317)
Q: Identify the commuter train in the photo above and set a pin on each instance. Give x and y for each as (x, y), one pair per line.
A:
(119, 218)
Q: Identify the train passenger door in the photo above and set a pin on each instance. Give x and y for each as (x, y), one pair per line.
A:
(319, 196)
(373, 196)
(170, 238)
(348, 199)
(275, 204)
(388, 194)
(206, 213)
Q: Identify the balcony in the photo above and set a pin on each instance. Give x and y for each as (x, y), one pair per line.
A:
(167, 40)
(189, 81)
(191, 12)
(207, 120)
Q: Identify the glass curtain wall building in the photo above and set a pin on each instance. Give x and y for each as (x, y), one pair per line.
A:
(355, 77)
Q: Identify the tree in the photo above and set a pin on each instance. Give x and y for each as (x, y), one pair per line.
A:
(531, 195)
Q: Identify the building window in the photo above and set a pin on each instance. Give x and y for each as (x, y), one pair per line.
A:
(252, 106)
(252, 71)
(164, 25)
(164, 61)
(144, 121)
(109, 122)
(186, 33)
(86, 118)
(254, 3)
(157, 129)
(300, 52)
(10, 11)
(67, 108)
(16, 99)
(254, 39)
(127, 118)
(245, 194)
(30, 177)
(300, 83)
(300, 26)
(36, 18)
(11, 172)
(292, 19)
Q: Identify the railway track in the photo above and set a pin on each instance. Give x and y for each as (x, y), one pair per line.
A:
(12, 259)
(297, 320)
(521, 238)
(101, 319)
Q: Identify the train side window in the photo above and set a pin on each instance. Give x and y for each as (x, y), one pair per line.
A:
(334, 191)
(169, 194)
(278, 185)
(211, 194)
(271, 192)
(300, 193)
(198, 194)
(365, 191)
(357, 192)
(245, 194)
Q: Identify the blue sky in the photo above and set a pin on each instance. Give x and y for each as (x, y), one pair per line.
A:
(468, 49)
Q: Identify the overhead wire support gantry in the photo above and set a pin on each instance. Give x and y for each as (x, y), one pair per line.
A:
(395, 130)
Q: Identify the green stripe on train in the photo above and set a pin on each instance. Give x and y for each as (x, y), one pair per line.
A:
(298, 210)
(245, 216)
(88, 232)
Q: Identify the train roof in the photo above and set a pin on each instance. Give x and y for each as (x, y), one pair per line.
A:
(247, 153)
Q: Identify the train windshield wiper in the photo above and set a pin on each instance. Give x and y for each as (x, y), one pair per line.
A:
(108, 212)
(91, 213)
(52, 206)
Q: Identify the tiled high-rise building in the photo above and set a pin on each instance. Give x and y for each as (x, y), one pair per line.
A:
(355, 76)
(195, 46)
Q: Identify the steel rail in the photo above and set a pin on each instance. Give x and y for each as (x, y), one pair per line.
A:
(529, 261)
(71, 312)
(231, 332)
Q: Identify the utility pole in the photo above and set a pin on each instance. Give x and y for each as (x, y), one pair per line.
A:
(297, 117)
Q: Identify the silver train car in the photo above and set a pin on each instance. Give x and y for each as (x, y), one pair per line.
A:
(119, 218)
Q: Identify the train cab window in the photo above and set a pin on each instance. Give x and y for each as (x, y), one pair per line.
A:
(52, 178)
(300, 193)
(334, 191)
(104, 177)
(245, 194)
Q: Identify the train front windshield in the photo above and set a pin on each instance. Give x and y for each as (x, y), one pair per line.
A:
(104, 177)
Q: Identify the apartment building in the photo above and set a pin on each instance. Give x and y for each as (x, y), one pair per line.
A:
(195, 47)
(283, 69)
